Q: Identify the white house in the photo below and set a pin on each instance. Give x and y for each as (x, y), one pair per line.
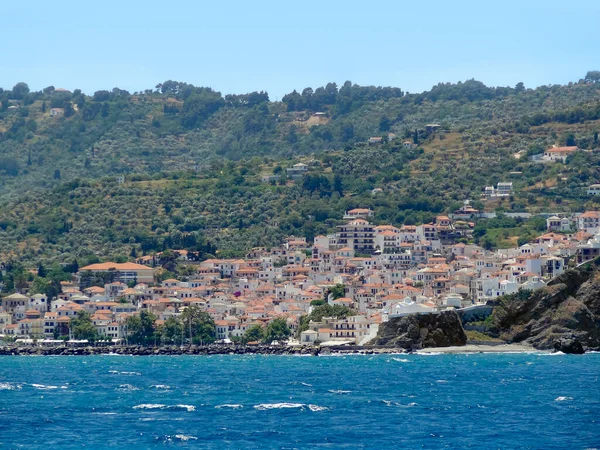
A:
(559, 154)
(555, 223)
(594, 189)
(308, 337)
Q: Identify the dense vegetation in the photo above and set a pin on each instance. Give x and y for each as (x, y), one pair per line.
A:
(193, 162)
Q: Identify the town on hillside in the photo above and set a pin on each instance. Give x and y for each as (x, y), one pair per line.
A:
(333, 291)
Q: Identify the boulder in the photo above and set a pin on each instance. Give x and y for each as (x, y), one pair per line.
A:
(422, 330)
(570, 346)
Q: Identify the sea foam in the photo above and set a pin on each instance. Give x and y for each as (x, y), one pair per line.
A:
(231, 406)
(151, 406)
(45, 387)
(177, 437)
(268, 406)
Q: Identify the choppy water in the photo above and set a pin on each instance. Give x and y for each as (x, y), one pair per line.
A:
(535, 401)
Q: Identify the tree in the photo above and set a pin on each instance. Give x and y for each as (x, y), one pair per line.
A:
(41, 271)
(254, 333)
(140, 328)
(593, 76)
(199, 326)
(73, 267)
(172, 330)
(384, 124)
(10, 166)
(101, 96)
(277, 330)
(168, 260)
(82, 327)
(337, 291)
(39, 285)
(338, 184)
(57, 174)
(200, 105)
(20, 90)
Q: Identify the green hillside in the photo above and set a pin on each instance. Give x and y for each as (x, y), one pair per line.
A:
(193, 163)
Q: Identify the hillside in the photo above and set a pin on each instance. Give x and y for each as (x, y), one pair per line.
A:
(193, 163)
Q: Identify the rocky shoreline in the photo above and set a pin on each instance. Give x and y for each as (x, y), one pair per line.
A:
(135, 350)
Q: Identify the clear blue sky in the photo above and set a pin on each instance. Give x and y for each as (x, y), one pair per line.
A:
(280, 45)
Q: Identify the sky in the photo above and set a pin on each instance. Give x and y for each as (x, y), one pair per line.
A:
(278, 46)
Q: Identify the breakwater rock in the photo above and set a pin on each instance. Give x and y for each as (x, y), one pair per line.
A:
(135, 350)
(422, 330)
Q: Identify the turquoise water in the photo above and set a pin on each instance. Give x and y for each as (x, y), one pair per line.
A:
(535, 401)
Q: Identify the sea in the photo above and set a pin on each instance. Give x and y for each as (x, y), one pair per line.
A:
(414, 401)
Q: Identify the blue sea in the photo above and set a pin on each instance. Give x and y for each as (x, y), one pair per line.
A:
(483, 401)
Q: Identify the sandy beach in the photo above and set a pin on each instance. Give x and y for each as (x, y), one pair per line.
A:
(504, 348)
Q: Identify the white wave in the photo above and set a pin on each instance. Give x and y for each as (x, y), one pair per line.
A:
(315, 408)
(391, 403)
(177, 437)
(183, 437)
(402, 360)
(9, 386)
(188, 408)
(232, 406)
(339, 391)
(161, 386)
(429, 353)
(441, 381)
(116, 372)
(268, 406)
(563, 399)
(45, 387)
(105, 413)
(127, 387)
(306, 384)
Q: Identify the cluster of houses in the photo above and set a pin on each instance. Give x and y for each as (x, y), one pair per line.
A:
(386, 271)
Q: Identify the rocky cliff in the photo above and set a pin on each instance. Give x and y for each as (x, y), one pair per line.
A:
(561, 315)
(422, 330)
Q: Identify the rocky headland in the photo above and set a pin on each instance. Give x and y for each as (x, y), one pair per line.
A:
(564, 316)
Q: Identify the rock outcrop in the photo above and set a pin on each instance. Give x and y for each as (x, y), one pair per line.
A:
(564, 315)
(567, 345)
(422, 330)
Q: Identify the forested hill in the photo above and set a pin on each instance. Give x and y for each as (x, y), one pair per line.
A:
(194, 160)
